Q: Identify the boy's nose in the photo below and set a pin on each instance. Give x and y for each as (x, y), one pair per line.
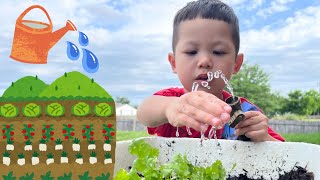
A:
(205, 62)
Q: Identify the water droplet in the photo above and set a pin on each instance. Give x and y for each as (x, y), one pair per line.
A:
(210, 76)
(189, 131)
(204, 83)
(90, 62)
(195, 86)
(217, 74)
(72, 51)
(83, 39)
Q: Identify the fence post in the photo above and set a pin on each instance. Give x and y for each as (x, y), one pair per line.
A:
(134, 124)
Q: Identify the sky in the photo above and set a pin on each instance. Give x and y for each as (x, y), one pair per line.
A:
(132, 38)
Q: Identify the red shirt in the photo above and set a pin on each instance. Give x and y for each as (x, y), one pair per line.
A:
(167, 130)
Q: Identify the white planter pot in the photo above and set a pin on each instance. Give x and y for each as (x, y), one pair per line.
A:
(28, 147)
(6, 161)
(64, 160)
(107, 161)
(35, 160)
(106, 147)
(76, 147)
(79, 161)
(91, 146)
(10, 147)
(58, 147)
(50, 161)
(42, 147)
(93, 160)
(21, 161)
(263, 160)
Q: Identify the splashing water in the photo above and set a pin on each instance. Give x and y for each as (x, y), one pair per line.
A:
(217, 74)
(83, 39)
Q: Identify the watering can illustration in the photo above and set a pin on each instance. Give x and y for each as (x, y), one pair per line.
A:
(33, 39)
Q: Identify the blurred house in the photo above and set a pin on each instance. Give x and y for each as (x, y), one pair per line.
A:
(127, 118)
(125, 110)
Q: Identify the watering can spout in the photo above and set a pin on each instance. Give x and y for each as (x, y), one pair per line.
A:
(58, 34)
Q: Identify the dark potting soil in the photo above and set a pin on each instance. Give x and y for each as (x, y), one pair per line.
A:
(297, 173)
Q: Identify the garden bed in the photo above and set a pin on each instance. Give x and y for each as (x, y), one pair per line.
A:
(268, 160)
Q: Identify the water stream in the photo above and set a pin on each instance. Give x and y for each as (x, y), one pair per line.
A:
(217, 74)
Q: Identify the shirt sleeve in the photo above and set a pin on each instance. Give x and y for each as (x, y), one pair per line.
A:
(162, 130)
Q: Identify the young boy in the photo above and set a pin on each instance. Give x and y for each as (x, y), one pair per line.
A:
(205, 39)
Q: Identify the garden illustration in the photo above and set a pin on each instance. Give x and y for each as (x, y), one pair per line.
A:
(62, 130)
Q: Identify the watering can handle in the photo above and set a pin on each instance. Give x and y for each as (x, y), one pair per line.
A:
(33, 7)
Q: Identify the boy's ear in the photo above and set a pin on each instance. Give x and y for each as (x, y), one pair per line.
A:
(172, 62)
(239, 61)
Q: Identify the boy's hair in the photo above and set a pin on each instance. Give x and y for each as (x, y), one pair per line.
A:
(207, 9)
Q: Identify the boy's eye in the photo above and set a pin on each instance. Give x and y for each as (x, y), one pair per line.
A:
(191, 52)
(219, 53)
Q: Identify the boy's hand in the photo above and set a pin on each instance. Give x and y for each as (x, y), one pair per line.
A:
(197, 110)
(254, 126)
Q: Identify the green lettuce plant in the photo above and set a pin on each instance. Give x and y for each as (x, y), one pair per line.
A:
(147, 165)
(31, 110)
(81, 109)
(55, 110)
(8, 111)
(103, 109)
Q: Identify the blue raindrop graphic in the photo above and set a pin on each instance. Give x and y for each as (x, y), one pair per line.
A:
(72, 51)
(83, 39)
(90, 62)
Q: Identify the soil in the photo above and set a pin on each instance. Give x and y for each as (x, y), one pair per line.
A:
(297, 173)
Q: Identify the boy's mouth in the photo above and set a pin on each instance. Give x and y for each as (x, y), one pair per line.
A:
(202, 77)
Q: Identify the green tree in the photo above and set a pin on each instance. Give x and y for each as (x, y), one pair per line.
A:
(310, 102)
(294, 102)
(122, 100)
(252, 83)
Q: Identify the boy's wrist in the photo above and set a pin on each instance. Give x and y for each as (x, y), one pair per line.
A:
(167, 111)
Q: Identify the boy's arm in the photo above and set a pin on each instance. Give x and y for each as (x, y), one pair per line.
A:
(151, 112)
(196, 110)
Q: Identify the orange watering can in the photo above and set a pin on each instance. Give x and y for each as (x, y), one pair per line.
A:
(33, 39)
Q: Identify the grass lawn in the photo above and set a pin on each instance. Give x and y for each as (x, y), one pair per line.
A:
(313, 138)
(128, 135)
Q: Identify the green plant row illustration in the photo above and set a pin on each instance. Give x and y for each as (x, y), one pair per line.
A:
(32, 110)
(48, 176)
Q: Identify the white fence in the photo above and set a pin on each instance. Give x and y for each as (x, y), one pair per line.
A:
(129, 123)
(293, 126)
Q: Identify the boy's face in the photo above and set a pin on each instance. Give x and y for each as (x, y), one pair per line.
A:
(204, 45)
